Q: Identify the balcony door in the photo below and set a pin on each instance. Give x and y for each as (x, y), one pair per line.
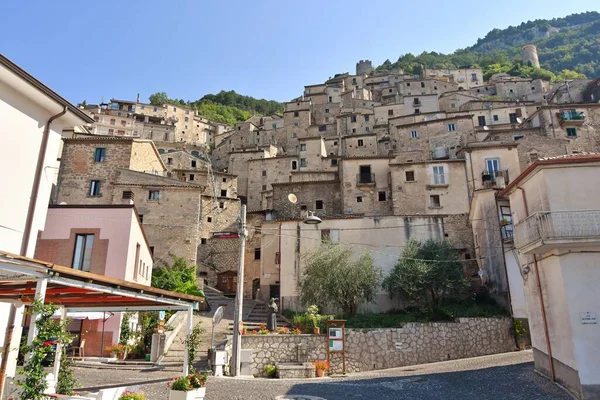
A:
(492, 165)
(365, 174)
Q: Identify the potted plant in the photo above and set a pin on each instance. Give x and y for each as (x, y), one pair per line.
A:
(321, 366)
(503, 222)
(520, 331)
(313, 313)
(117, 350)
(127, 395)
(189, 387)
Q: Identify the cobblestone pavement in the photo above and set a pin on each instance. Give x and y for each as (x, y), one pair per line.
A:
(502, 376)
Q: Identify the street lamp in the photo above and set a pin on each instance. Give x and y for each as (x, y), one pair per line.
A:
(312, 219)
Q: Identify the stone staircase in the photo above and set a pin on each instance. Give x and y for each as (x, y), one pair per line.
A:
(256, 313)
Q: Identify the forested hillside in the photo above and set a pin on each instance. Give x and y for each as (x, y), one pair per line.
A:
(571, 43)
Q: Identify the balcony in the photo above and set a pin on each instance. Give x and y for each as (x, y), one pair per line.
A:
(438, 181)
(494, 179)
(545, 231)
(365, 179)
(571, 117)
(417, 103)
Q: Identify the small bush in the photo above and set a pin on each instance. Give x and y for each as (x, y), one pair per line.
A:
(132, 396)
(270, 371)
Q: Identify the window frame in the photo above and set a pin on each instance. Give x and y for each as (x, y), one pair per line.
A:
(153, 195)
(100, 154)
(84, 251)
(94, 188)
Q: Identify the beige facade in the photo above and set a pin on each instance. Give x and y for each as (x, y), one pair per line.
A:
(355, 121)
(466, 78)
(366, 186)
(491, 164)
(554, 207)
(453, 101)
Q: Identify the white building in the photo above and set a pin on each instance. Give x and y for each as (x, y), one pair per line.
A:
(556, 209)
(33, 117)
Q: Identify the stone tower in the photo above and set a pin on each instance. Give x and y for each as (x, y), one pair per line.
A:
(364, 67)
(530, 55)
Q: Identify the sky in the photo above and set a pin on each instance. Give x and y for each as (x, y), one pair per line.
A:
(97, 50)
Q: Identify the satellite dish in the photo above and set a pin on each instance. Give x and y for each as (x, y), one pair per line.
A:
(519, 120)
(486, 128)
(292, 198)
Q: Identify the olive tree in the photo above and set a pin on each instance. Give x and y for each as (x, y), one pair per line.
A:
(427, 273)
(335, 277)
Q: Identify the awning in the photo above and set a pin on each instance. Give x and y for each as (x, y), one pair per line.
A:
(84, 315)
(80, 291)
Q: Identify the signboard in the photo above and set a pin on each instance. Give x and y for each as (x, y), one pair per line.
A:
(218, 316)
(225, 235)
(336, 345)
(335, 333)
(588, 318)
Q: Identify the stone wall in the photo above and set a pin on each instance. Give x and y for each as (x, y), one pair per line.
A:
(370, 349)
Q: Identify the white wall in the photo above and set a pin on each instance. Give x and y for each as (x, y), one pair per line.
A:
(515, 281)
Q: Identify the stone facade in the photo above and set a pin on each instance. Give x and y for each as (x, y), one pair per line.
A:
(322, 197)
(372, 349)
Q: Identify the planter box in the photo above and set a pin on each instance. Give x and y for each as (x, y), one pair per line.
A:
(196, 394)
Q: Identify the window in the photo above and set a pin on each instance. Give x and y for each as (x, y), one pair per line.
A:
(359, 199)
(303, 147)
(382, 196)
(153, 194)
(414, 134)
(571, 132)
(451, 127)
(120, 132)
(319, 204)
(513, 118)
(264, 187)
(366, 118)
(495, 118)
(327, 111)
(407, 83)
(94, 188)
(434, 201)
(155, 109)
(294, 164)
(221, 204)
(224, 180)
(191, 177)
(174, 109)
(354, 81)
(533, 157)
(296, 114)
(123, 122)
(99, 154)
(264, 173)
(409, 176)
(422, 84)
(293, 134)
(474, 77)
(334, 162)
(353, 118)
(367, 129)
(353, 130)
(417, 111)
(208, 219)
(186, 119)
(330, 99)
(169, 160)
(331, 235)
(492, 165)
(112, 121)
(481, 120)
(82, 256)
(296, 124)
(390, 113)
(223, 192)
(335, 143)
(203, 241)
(438, 175)
(453, 105)
(193, 164)
(361, 143)
(257, 253)
(518, 137)
(303, 162)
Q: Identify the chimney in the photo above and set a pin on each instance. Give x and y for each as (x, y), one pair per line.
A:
(128, 197)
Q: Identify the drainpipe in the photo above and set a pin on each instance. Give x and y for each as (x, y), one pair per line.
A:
(280, 258)
(36, 182)
(541, 297)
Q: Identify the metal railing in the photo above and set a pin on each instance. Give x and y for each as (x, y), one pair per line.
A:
(557, 225)
(365, 179)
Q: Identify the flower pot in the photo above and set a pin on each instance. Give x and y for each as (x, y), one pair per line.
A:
(521, 345)
(317, 331)
(195, 394)
(320, 373)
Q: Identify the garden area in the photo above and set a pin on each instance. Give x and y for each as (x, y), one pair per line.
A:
(428, 281)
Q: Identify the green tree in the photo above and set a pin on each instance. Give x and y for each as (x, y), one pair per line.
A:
(427, 273)
(333, 276)
(179, 277)
(158, 99)
(567, 74)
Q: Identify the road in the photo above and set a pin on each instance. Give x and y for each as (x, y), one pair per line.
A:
(502, 376)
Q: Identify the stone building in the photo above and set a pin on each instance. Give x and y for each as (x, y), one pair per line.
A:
(466, 78)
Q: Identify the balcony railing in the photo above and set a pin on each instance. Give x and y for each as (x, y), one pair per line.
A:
(557, 228)
(572, 117)
(417, 104)
(365, 179)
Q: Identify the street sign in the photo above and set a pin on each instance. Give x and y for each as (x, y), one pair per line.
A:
(218, 316)
(588, 318)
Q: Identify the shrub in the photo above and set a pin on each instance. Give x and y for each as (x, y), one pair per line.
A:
(321, 365)
(132, 396)
(270, 371)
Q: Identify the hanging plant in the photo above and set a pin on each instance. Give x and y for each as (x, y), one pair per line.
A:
(50, 334)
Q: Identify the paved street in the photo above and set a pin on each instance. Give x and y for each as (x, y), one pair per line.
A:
(504, 376)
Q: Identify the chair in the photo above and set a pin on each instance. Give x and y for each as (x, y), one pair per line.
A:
(80, 350)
